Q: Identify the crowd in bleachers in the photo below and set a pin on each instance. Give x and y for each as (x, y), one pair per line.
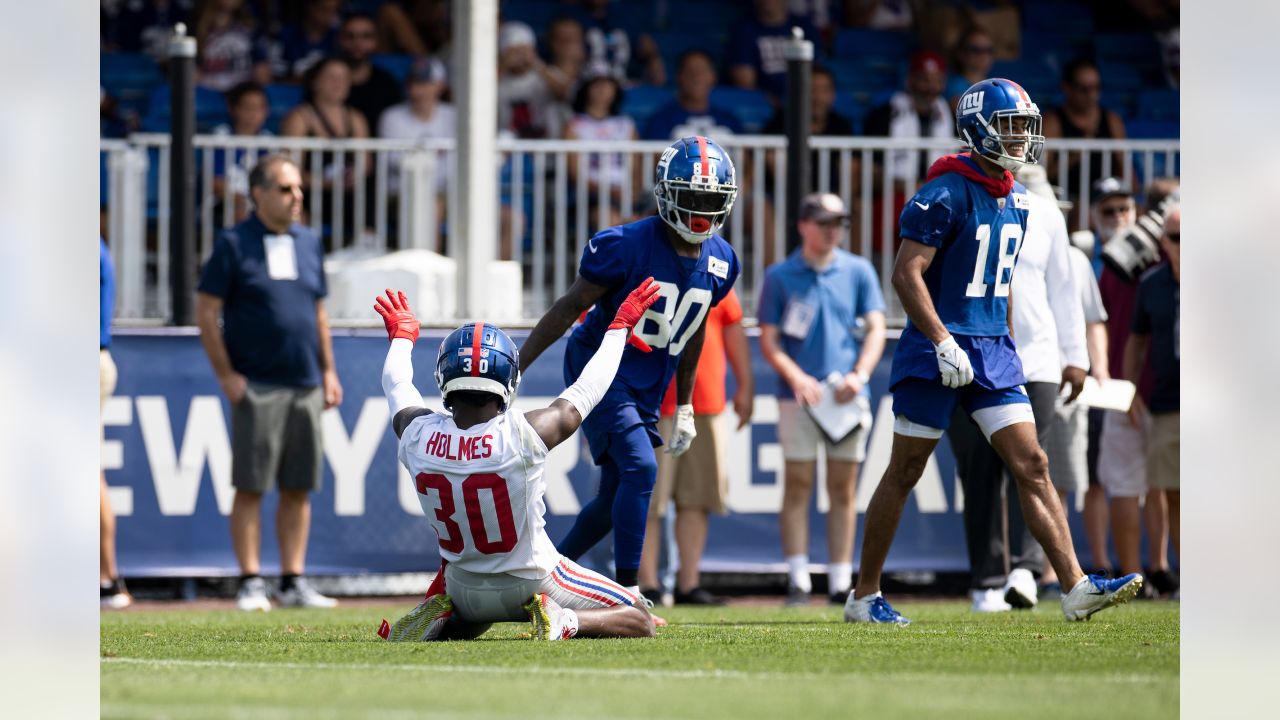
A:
(866, 44)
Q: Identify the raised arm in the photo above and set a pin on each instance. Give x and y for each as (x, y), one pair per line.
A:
(580, 296)
(403, 398)
(557, 422)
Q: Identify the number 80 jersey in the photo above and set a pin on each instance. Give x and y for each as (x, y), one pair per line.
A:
(620, 258)
(482, 490)
(978, 238)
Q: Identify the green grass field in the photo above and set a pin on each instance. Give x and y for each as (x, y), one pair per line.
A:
(735, 662)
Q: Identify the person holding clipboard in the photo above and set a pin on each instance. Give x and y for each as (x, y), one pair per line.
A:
(822, 329)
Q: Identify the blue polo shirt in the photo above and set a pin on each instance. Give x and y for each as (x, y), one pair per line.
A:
(268, 323)
(817, 311)
(106, 294)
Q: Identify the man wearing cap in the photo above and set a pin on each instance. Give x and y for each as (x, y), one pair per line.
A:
(919, 111)
(524, 92)
(821, 320)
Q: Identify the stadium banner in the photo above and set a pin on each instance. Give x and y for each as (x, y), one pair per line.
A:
(168, 466)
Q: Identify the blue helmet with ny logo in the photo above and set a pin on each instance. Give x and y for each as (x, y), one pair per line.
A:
(478, 357)
(695, 184)
(997, 120)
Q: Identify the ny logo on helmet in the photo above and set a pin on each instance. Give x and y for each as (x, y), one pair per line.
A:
(971, 103)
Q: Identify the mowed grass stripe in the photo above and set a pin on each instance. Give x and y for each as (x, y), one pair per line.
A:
(636, 673)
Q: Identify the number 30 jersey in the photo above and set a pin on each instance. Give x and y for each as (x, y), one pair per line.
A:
(620, 258)
(482, 490)
(978, 238)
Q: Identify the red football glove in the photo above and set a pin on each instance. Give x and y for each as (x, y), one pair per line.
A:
(633, 308)
(397, 316)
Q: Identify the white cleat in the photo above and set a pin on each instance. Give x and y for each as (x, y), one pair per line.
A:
(547, 618)
(872, 609)
(1095, 592)
(253, 596)
(302, 595)
(989, 601)
(1020, 589)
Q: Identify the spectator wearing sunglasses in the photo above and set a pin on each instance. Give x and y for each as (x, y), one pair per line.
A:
(974, 55)
(1082, 115)
(373, 89)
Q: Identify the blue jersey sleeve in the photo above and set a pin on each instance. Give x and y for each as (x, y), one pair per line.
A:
(771, 300)
(929, 217)
(219, 270)
(605, 259)
(867, 290)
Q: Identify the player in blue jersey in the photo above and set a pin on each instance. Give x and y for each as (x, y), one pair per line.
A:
(960, 239)
(695, 185)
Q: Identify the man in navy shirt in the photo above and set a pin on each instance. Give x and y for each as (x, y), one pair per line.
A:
(1157, 329)
(757, 48)
(274, 360)
(692, 113)
(821, 319)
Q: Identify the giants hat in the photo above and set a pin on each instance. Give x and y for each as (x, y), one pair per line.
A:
(1110, 187)
(821, 207)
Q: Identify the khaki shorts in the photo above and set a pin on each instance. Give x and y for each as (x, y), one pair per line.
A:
(1068, 448)
(275, 437)
(800, 436)
(697, 480)
(1163, 469)
(1122, 457)
(106, 385)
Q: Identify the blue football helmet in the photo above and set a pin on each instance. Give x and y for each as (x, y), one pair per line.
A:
(478, 357)
(997, 120)
(695, 184)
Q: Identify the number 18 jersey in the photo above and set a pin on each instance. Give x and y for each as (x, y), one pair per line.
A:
(482, 490)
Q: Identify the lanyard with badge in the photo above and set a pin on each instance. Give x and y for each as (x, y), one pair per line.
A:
(282, 259)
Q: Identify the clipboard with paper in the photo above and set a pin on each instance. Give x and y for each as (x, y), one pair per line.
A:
(838, 420)
(1112, 394)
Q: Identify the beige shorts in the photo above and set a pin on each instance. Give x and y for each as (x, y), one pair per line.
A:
(697, 480)
(106, 385)
(800, 437)
(1122, 457)
(1163, 470)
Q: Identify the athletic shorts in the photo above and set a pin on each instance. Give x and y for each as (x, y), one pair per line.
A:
(800, 436)
(930, 403)
(489, 598)
(1068, 448)
(698, 479)
(276, 438)
(1163, 470)
(1122, 457)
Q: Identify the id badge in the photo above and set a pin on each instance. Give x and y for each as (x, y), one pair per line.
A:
(797, 319)
(282, 261)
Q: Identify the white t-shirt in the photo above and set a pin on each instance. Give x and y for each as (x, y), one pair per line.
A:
(1048, 319)
(399, 123)
(1087, 284)
(525, 103)
(615, 127)
(482, 490)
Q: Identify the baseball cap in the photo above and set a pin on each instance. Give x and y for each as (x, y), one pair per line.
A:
(427, 70)
(821, 207)
(515, 34)
(927, 61)
(1110, 187)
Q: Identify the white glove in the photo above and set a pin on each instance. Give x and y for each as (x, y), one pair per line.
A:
(953, 363)
(682, 431)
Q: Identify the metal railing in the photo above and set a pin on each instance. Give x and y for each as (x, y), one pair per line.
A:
(378, 195)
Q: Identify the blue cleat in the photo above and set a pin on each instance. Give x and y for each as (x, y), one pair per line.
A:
(1095, 592)
(872, 609)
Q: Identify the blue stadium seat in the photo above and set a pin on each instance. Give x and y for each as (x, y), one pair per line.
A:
(885, 45)
(128, 76)
(1126, 47)
(1053, 49)
(211, 109)
(751, 106)
(397, 65)
(1120, 101)
(1120, 76)
(689, 14)
(1063, 17)
(1034, 76)
(1161, 104)
(641, 101)
(281, 98)
(671, 43)
(864, 76)
(1153, 129)
(535, 13)
(852, 107)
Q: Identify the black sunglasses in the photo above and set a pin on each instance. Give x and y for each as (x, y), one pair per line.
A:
(1109, 211)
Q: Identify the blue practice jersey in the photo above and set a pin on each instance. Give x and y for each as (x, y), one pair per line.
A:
(620, 258)
(978, 238)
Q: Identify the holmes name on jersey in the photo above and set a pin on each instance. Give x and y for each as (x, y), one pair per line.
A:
(450, 447)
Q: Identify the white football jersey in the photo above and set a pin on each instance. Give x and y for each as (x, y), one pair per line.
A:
(482, 490)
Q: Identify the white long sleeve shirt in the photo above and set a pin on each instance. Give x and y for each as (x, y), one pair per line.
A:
(1048, 317)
